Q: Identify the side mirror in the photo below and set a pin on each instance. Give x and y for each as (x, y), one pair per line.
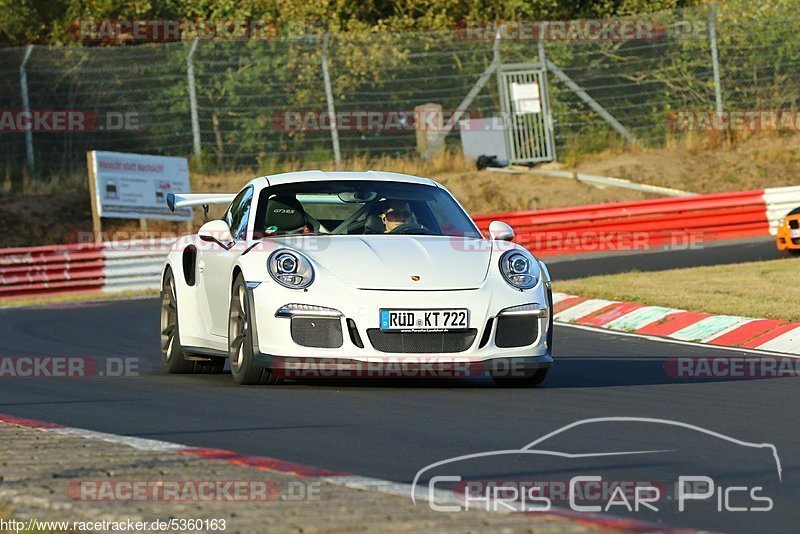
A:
(501, 231)
(216, 231)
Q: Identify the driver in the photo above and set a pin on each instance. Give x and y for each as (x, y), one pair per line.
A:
(397, 213)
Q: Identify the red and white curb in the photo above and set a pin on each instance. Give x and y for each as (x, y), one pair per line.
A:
(333, 477)
(680, 325)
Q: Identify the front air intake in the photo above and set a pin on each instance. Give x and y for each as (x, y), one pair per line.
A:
(516, 331)
(421, 342)
(317, 332)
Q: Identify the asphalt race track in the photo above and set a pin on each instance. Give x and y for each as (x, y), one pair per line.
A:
(392, 429)
(712, 253)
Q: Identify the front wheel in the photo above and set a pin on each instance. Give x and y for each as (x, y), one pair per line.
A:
(240, 340)
(522, 382)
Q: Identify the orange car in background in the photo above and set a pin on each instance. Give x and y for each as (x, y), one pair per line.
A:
(789, 232)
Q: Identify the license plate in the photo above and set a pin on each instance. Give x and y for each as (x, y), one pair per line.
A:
(794, 234)
(424, 320)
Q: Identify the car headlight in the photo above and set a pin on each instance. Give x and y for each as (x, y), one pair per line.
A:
(290, 269)
(520, 270)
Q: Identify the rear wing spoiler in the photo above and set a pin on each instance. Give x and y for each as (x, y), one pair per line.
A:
(202, 199)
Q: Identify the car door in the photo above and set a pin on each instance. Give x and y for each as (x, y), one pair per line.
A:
(218, 259)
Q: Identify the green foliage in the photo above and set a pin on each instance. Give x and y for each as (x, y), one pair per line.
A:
(48, 21)
(383, 55)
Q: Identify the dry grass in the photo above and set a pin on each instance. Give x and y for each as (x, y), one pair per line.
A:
(445, 161)
(51, 211)
(764, 289)
(479, 191)
(705, 162)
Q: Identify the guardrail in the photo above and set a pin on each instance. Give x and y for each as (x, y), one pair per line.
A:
(640, 225)
(134, 265)
(51, 269)
(87, 267)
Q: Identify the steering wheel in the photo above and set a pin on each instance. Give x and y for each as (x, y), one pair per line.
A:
(409, 227)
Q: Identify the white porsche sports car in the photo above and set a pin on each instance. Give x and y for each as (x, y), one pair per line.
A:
(351, 271)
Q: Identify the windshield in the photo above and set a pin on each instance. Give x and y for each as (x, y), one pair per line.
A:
(355, 207)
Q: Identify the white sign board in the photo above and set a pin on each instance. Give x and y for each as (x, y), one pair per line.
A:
(526, 97)
(135, 186)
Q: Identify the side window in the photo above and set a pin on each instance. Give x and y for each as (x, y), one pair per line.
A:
(238, 213)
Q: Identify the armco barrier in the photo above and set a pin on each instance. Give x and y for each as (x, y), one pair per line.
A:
(638, 225)
(42, 270)
(89, 267)
(136, 265)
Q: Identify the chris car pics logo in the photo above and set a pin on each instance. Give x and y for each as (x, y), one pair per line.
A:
(447, 486)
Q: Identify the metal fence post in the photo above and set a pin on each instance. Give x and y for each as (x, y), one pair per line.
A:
(546, 96)
(497, 59)
(712, 38)
(337, 152)
(193, 99)
(26, 105)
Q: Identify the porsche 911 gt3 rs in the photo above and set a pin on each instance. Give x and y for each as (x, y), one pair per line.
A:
(344, 269)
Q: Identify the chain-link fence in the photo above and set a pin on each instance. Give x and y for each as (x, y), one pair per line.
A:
(259, 101)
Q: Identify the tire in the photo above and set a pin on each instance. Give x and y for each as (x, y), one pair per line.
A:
(240, 341)
(172, 355)
(525, 382)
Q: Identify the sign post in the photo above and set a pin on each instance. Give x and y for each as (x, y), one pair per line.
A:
(135, 186)
(96, 223)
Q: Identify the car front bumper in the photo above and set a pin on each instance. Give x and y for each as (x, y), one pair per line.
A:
(784, 239)
(353, 316)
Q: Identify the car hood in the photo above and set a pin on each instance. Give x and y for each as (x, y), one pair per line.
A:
(392, 261)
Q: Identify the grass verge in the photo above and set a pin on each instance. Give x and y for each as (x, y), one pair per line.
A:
(763, 289)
